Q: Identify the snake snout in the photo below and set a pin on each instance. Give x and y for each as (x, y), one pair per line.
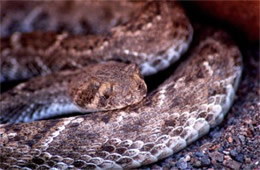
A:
(108, 86)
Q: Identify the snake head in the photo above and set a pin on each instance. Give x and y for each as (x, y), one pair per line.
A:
(107, 86)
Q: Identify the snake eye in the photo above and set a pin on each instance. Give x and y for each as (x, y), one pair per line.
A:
(140, 87)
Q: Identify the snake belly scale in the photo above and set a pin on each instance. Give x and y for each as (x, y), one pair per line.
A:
(192, 100)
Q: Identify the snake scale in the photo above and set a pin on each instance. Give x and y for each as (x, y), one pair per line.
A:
(183, 108)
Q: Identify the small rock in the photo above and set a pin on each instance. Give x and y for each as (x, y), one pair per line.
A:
(217, 156)
(187, 158)
(205, 161)
(220, 149)
(247, 160)
(202, 160)
(230, 139)
(240, 157)
(248, 121)
(233, 153)
(199, 154)
(215, 134)
(197, 163)
(177, 156)
(226, 152)
(227, 157)
(232, 164)
(182, 164)
(242, 139)
(231, 120)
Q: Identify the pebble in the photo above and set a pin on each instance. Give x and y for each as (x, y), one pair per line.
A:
(187, 158)
(240, 157)
(227, 157)
(221, 149)
(232, 164)
(231, 121)
(248, 160)
(205, 161)
(197, 164)
(230, 139)
(237, 156)
(199, 154)
(217, 156)
(242, 138)
(201, 160)
(182, 164)
(233, 153)
(226, 152)
(215, 134)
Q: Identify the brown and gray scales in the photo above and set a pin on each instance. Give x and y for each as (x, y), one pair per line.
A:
(138, 135)
(107, 86)
(39, 53)
(182, 109)
(98, 87)
(160, 36)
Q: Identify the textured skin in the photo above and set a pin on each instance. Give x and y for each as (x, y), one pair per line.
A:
(97, 87)
(160, 36)
(81, 17)
(182, 109)
(155, 37)
(195, 98)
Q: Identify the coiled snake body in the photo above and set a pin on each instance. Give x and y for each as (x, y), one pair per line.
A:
(182, 109)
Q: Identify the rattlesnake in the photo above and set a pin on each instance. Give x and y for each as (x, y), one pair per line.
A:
(182, 109)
